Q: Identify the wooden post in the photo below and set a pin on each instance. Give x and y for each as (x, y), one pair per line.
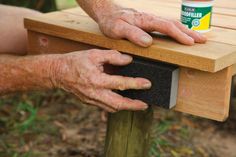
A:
(128, 134)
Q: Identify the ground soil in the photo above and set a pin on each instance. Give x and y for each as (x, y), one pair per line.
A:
(64, 127)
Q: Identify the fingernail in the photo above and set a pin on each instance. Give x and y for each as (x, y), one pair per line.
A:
(191, 41)
(127, 57)
(204, 37)
(146, 40)
(145, 107)
(147, 85)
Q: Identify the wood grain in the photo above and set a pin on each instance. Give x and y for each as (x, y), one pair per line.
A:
(128, 134)
(219, 20)
(54, 45)
(211, 57)
(217, 34)
(198, 93)
(176, 4)
(227, 4)
(201, 93)
(234, 69)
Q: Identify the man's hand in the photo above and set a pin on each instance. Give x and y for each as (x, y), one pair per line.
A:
(82, 73)
(117, 22)
(133, 25)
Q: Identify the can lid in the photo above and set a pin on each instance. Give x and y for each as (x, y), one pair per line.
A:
(199, 0)
(198, 3)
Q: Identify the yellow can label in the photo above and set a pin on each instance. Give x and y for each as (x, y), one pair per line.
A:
(196, 18)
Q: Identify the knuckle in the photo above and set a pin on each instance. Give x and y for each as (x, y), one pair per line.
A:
(112, 53)
(117, 28)
(93, 52)
(116, 107)
(112, 111)
(97, 55)
(150, 17)
(170, 26)
(122, 86)
(176, 22)
(95, 81)
(84, 100)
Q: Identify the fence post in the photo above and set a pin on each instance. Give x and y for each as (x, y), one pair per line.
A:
(128, 134)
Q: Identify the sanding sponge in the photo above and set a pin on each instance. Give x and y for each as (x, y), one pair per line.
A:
(164, 78)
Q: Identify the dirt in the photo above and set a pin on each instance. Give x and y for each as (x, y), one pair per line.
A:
(65, 127)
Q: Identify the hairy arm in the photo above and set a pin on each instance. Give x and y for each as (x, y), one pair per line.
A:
(13, 38)
(25, 73)
(80, 73)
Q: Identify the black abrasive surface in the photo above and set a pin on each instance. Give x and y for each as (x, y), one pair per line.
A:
(159, 73)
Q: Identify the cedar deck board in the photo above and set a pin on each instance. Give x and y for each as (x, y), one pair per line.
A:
(217, 57)
(219, 20)
(227, 4)
(197, 92)
(217, 34)
(216, 9)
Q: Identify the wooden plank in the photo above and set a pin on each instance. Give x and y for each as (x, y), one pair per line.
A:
(218, 20)
(39, 43)
(217, 34)
(198, 93)
(234, 69)
(201, 93)
(228, 4)
(216, 57)
(128, 134)
(177, 4)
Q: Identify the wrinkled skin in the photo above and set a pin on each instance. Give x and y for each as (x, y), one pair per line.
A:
(130, 24)
(81, 73)
(118, 22)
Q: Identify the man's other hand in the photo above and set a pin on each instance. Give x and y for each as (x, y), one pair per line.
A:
(130, 24)
(82, 73)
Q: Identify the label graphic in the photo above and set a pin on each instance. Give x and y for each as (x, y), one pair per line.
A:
(196, 18)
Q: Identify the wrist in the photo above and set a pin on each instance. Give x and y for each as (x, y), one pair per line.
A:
(27, 73)
(55, 70)
(102, 10)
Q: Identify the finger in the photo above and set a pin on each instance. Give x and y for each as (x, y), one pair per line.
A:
(112, 57)
(92, 102)
(135, 35)
(173, 31)
(102, 106)
(118, 102)
(123, 83)
(198, 37)
(154, 23)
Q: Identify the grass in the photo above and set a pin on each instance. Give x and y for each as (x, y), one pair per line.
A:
(20, 122)
(24, 107)
(27, 128)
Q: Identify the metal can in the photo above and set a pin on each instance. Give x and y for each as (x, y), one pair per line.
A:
(197, 14)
